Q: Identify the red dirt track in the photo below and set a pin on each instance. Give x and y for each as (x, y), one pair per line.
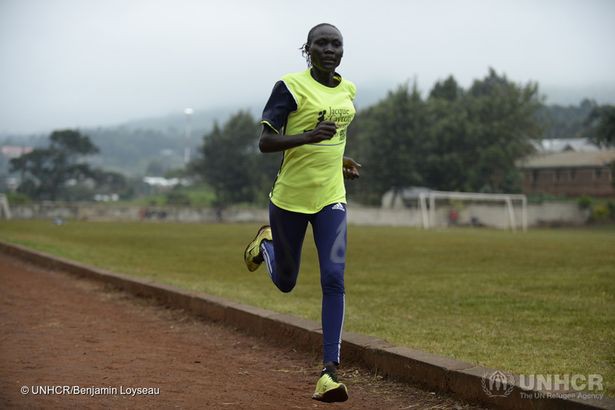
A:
(59, 330)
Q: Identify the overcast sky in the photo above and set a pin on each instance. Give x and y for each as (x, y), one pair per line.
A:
(67, 63)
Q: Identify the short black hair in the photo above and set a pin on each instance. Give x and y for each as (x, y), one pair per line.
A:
(305, 48)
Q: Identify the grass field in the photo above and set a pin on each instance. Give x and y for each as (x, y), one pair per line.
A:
(541, 302)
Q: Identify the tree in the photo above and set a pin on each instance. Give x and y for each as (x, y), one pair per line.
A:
(46, 172)
(109, 182)
(447, 90)
(231, 163)
(453, 140)
(449, 152)
(602, 122)
(503, 123)
(566, 121)
(388, 144)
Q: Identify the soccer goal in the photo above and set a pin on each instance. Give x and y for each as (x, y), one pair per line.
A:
(5, 210)
(442, 208)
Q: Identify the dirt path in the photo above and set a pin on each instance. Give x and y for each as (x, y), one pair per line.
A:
(58, 330)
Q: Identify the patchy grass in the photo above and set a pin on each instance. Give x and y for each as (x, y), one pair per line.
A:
(540, 302)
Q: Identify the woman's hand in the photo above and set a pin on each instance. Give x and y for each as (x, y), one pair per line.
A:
(350, 168)
(325, 130)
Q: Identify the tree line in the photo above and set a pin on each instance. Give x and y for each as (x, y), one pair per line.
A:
(452, 139)
(60, 171)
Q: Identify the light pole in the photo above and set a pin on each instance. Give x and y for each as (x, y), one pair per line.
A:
(188, 130)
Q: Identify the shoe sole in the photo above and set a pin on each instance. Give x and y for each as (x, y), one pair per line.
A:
(246, 254)
(339, 394)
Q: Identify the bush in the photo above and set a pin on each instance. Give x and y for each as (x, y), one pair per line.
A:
(611, 206)
(584, 202)
(600, 212)
(177, 199)
(16, 198)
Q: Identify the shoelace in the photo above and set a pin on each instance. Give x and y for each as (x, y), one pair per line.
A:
(333, 376)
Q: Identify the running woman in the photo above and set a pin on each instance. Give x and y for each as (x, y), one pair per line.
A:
(306, 117)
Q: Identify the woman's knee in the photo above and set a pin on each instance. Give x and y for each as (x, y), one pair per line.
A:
(286, 278)
(286, 285)
(332, 281)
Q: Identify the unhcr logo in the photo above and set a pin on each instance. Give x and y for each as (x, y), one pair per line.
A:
(497, 384)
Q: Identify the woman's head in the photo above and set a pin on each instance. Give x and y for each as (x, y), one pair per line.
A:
(324, 47)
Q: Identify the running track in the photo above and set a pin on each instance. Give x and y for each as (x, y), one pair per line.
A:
(60, 330)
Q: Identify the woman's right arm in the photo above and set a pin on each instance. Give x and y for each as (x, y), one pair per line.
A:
(270, 141)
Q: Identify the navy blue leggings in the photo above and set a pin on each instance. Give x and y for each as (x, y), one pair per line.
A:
(283, 258)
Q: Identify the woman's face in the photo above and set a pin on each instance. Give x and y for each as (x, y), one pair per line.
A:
(326, 48)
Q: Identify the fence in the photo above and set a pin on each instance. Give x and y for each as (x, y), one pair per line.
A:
(548, 213)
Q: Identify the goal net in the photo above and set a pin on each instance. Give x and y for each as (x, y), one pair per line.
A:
(442, 209)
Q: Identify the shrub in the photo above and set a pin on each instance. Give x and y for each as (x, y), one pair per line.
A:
(611, 206)
(600, 212)
(584, 202)
(177, 198)
(17, 198)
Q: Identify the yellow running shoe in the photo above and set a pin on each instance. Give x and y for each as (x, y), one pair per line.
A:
(329, 390)
(252, 255)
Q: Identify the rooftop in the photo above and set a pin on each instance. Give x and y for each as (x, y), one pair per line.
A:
(569, 159)
(565, 144)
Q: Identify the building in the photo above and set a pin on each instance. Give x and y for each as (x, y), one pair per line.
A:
(570, 173)
(13, 151)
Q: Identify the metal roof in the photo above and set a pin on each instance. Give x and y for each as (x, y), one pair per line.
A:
(569, 159)
(565, 144)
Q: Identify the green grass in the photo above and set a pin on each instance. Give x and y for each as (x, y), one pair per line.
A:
(540, 302)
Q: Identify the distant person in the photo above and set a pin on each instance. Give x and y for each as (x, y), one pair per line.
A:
(453, 217)
(307, 117)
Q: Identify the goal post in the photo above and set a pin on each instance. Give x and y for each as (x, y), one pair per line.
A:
(427, 205)
(5, 210)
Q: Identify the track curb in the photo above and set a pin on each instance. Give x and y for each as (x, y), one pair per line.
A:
(463, 380)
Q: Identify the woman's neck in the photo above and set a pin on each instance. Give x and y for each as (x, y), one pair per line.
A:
(326, 78)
